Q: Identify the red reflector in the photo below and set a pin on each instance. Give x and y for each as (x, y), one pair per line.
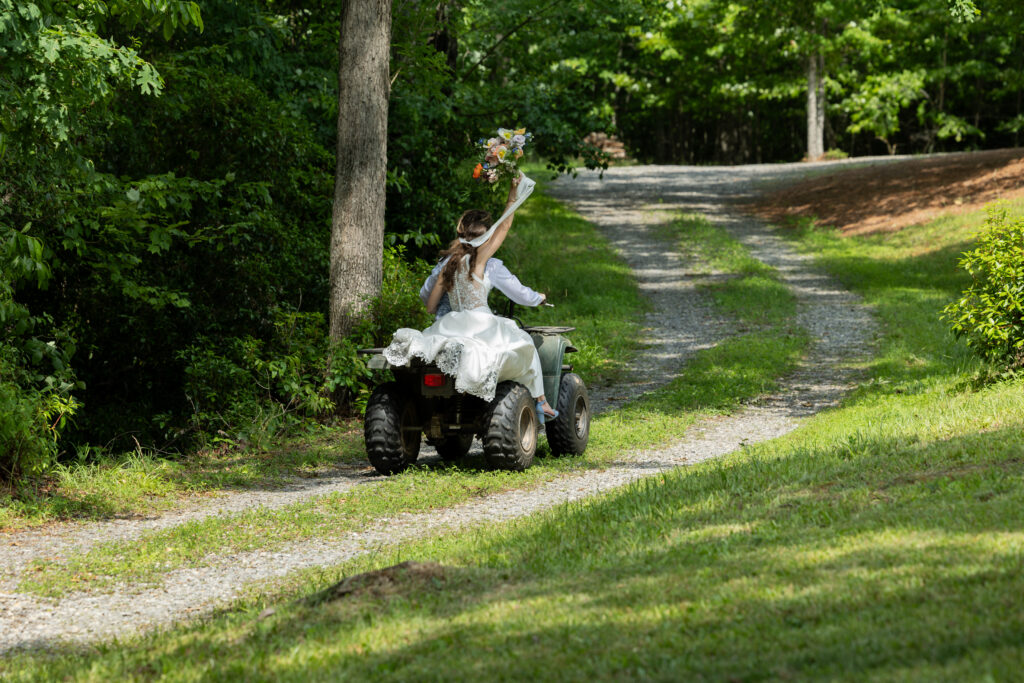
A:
(433, 380)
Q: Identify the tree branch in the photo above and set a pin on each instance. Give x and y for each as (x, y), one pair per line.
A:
(528, 20)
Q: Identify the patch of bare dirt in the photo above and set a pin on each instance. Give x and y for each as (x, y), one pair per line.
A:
(397, 578)
(892, 196)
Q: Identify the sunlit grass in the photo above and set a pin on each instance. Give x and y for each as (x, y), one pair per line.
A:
(712, 248)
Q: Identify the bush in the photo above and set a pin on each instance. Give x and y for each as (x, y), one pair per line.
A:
(35, 375)
(990, 314)
(243, 389)
(30, 419)
(399, 303)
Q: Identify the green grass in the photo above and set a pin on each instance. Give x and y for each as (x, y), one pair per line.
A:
(141, 481)
(880, 541)
(716, 380)
(751, 291)
(712, 248)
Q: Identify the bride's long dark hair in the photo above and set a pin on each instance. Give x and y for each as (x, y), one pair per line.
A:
(472, 224)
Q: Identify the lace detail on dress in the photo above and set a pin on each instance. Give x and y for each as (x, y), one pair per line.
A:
(449, 361)
(401, 349)
(449, 356)
(468, 292)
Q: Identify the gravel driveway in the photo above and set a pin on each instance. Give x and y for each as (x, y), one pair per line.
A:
(626, 204)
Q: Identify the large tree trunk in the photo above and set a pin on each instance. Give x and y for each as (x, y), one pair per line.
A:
(815, 106)
(357, 225)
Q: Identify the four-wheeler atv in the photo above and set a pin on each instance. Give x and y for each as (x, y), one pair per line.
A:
(422, 401)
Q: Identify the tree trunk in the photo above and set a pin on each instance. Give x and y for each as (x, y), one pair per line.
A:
(815, 106)
(357, 225)
(445, 40)
(1020, 92)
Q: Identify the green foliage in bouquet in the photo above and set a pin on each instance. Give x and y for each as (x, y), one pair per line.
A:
(990, 314)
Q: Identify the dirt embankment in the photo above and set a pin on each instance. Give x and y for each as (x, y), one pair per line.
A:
(890, 196)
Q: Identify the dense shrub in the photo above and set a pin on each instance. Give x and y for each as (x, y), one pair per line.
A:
(31, 418)
(242, 389)
(990, 314)
(35, 375)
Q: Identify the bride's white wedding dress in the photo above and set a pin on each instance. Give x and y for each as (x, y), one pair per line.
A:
(471, 344)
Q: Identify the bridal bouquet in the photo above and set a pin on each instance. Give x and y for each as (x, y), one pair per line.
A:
(501, 154)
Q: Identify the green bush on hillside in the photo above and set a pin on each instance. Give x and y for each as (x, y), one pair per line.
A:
(990, 314)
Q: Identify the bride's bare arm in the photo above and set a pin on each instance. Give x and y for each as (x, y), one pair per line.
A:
(434, 300)
(488, 248)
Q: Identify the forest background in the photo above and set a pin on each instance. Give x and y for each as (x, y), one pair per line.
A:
(167, 167)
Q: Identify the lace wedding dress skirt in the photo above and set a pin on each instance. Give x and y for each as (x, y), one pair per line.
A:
(471, 344)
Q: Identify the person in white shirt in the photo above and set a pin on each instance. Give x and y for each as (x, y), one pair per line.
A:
(500, 276)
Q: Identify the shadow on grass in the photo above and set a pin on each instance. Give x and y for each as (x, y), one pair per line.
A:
(119, 487)
(836, 563)
(889, 557)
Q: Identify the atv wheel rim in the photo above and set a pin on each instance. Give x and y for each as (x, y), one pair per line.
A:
(527, 430)
(581, 417)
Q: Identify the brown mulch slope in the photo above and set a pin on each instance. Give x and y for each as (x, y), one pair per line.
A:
(891, 196)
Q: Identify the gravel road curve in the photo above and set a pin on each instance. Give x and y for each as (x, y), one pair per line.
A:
(626, 204)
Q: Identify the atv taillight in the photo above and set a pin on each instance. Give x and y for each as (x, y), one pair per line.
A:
(433, 380)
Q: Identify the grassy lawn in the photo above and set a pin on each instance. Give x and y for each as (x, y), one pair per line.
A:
(882, 540)
(715, 381)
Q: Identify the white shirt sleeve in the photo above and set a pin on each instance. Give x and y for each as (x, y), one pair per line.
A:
(429, 284)
(509, 285)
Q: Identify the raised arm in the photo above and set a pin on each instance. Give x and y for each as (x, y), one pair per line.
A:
(488, 248)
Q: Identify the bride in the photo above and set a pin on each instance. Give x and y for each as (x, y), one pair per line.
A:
(472, 344)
